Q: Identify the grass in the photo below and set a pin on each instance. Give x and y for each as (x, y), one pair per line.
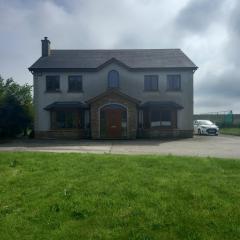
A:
(230, 131)
(87, 196)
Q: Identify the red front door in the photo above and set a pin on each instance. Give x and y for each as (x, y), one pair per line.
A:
(114, 123)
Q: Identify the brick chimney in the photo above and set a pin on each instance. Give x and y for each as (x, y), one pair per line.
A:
(46, 47)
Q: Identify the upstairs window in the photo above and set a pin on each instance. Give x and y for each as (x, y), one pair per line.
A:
(113, 79)
(174, 82)
(151, 82)
(52, 83)
(75, 83)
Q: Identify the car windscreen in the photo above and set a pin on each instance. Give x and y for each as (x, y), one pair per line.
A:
(205, 122)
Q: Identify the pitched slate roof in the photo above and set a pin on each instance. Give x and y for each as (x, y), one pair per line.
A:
(130, 58)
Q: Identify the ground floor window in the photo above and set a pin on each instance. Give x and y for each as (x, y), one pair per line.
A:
(66, 119)
(159, 118)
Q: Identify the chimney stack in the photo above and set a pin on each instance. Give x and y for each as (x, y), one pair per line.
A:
(46, 47)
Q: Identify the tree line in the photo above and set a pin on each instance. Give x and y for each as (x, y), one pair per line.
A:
(16, 108)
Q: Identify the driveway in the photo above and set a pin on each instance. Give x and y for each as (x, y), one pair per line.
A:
(220, 146)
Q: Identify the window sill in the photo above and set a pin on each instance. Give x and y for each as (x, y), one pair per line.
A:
(151, 91)
(53, 91)
(75, 91)
(113, 88)
(174, 90)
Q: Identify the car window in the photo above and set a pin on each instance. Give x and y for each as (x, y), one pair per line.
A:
(205, 122)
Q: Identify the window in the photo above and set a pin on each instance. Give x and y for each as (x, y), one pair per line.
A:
(52, 83)
(65, 119)
(151, 82)
(166, 118)
(155, 118)
(113, 79)
(161, 118)
(174, 82)
(74, 83)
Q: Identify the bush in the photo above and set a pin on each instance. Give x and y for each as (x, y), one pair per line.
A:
(16, 114)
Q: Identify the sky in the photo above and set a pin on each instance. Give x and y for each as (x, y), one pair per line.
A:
(208, 31)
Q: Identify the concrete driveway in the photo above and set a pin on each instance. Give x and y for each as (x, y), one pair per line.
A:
(220, 146)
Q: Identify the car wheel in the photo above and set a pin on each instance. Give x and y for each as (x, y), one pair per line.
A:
(199, 132)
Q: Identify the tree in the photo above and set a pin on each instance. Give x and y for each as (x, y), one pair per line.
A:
(16, 108)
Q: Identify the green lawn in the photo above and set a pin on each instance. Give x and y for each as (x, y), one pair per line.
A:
(230, 131)
(86, 196)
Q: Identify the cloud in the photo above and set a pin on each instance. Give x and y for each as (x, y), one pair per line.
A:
(197, 16)
(206, 30)
(209, 31)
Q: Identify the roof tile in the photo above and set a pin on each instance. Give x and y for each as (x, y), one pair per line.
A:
(132, 58)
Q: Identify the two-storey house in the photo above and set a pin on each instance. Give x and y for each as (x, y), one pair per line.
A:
(113, 94)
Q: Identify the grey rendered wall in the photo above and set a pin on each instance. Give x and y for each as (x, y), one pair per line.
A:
(131, 83)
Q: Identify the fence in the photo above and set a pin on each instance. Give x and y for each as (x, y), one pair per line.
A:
(222, 119)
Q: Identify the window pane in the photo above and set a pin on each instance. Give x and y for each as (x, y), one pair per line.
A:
(154, 84)
(124, 123)
(147, 84)
(66, 119)
(174, 82)
(113, 79)
(160, 118)
(166, 118)
(146, 119)
(75, 83)
(151, 82)
(60, 119)
(155, 115)
(52, 83)
(71, 120)
(155, 118)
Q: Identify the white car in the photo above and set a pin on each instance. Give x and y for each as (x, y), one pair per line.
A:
(205, 127)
